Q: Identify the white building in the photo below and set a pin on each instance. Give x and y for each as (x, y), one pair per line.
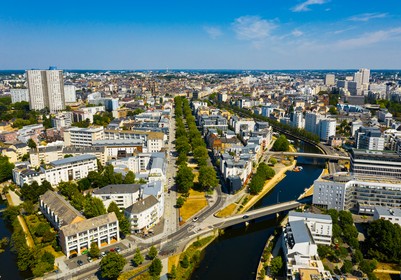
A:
(362, 193)
(330, 80)
(82, 136)
(46, 90)
(70, 93)
(143, 214)
(301, 235)
(297, 119)
(87, 113)
(120, 148)
(327, 128)
(390, 214)
(124, 195)
(19, 94)
(154, 140)
(312, 120)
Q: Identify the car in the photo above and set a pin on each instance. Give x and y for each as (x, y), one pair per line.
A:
(72, 256)
(195, 219)
(245, 217)
(102, 254)
(80, 263)
(90, 259)
(118, 250)
(112, 249)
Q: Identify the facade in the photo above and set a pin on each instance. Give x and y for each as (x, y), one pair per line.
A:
(301, 235)
(143, 214)
(342, 191)
(369, 138)
(19, 95)
(297, 119)
(330, 80)
(376, 163)
(154, 141)
(82, 137)
(389, 214)
(70, 94)
(124, 195)
(46, 154)
(327, 128)
(46, 90)
(120, 148)
(312, 120)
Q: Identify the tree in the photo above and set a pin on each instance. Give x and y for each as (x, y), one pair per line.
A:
(93, 207)
(185, 179)
(281, 144)
(113, 207)
(6, 170)
(94, 251)
(347, 267)
(207, 177)
(185, 261)
(357, 256)
(41, 228)
(129, 178)
(31, 144)
(173, 273)
(29, 207)
(180, 202)
(155, 268)
(138, 258)
(275, 265)
(152, 253)
(111, 265)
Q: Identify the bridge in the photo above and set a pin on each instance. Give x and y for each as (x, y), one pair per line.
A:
(254, 214)
(311, 155)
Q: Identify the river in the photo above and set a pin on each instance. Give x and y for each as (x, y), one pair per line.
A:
(235, 254)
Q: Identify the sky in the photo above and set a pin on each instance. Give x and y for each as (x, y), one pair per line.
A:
(218, 34)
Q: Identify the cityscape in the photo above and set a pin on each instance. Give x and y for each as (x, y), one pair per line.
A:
(241, 147)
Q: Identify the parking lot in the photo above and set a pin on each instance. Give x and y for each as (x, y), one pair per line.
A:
(73, 262)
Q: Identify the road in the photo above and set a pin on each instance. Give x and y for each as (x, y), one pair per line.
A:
(312, 155)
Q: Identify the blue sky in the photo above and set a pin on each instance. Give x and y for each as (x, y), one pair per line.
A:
(219, 34)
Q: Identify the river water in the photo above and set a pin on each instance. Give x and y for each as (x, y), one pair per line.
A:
(235, 255)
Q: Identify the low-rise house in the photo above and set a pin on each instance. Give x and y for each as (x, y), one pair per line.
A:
(143, 214)
(390, 214)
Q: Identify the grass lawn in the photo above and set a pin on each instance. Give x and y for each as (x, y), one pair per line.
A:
(388, 266)
(195, 202)
(227, 211)
(383, 276)
(196, 178)
(51, 250)
(173, 260)
(29, 238)
(128, 274)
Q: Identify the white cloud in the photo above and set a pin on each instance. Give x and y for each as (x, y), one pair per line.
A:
(213, 32)
(304, 6)
(252, 28)
(367, 16)
(297, 33)
(369, 38)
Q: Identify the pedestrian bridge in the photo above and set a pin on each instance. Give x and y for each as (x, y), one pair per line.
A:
(311, 155)
(257, 213)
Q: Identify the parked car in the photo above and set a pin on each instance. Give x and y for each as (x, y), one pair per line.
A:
(195, 219)
(245, 217)
(90, 259)
(102, 254)
(72, 256)
(118, 250)
(80, 263)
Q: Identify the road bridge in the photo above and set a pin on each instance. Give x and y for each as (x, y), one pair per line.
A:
(257, 213)
(311, 155)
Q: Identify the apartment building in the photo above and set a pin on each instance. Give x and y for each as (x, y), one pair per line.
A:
(75, 233)
(82, 137)
(120, 148)
(154, 141)
(46, 154)
(98, 152)
(301, 235)
(124, 195)
(46, 90)
(144, 214)
(19, 95)
(369, 138)
(87, 113)
(362, 193)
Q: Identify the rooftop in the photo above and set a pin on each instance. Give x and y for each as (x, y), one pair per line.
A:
(114, 189)
(384, 211)
(142, 205)
(70, 160)
(92, 223)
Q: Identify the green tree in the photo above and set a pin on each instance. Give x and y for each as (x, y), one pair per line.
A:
(113, 207)
(29, 207)
(185, 179)
(180, 202)
(129, 178)
(31, 144)
(93, 207)
(275, 265)
(185, 261)
(155, 268)
(94, 250)
(173, 273)
(347, 267)
(138, 258)
(112, 265)
(357, 256)
(6, 170)
(125, 226)
(152, 253)
(207, 177)
(281, 144)
(41, 228)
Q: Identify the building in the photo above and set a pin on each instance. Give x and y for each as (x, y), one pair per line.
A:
(46, 154)
(81, 137)
(124, 195)
(19, 95)
(75, 233)
(389, 214)
(297, 119)
(70, 94)
(342, 191)
(369, 138)
(327, 128)
(121, 148)
(62, 120)
(46, 90)
(87, 113)
(144, 214)
(376, 163)
(330, 80)
(153, 140)
(312, 120)
(301, 236)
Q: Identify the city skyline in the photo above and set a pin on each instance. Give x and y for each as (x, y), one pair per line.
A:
(309, 34)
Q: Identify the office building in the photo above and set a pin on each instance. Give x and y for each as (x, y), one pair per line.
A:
(376, 163)
(301, 237)
(361, 193)
(46, 90)
(19, 95)
(369, 138)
